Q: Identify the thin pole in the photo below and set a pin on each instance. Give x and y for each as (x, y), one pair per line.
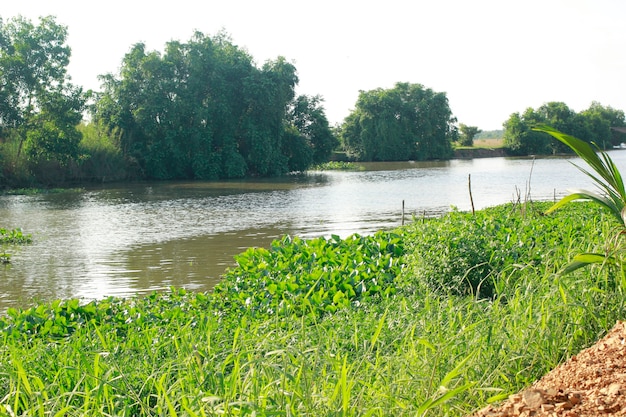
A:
(469, 184)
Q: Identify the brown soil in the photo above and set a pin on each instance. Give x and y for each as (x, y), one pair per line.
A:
(592, 383)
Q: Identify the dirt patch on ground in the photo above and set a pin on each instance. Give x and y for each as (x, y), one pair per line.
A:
(592, 383)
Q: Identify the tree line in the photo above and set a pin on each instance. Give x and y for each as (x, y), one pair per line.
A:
(597, 124)
(203, 109)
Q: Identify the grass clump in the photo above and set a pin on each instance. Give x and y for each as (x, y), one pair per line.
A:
(363, 326)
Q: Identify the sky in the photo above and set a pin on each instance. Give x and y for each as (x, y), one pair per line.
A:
(492, 58)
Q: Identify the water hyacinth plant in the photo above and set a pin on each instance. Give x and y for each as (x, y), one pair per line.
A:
(610, 194)
(11, 237)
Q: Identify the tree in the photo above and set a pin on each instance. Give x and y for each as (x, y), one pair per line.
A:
(306, 114)
(202, 109)
(592, 125)
(467, 134)
(37, 101)
(602, 122)
(406, 122)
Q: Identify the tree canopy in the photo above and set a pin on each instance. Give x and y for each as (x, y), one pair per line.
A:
(591, 125)
(39, 107)
(202, 109)
(407, 122)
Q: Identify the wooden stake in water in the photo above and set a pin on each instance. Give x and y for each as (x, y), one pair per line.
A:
(402, 212)
(469, 184)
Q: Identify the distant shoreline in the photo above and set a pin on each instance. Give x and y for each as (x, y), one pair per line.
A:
(478, 153)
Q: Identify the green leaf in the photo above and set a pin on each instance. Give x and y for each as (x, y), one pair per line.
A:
(584, 259)
(607, 177)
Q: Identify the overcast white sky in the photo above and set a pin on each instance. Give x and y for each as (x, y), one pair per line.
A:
(491, 57)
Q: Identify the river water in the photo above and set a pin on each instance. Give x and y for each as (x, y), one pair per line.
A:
(129, 239)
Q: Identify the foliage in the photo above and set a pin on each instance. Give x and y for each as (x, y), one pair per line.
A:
(407, 122)
(592, 125)
(490, 134)
(312, 276)
(14, 237)
(307, 115)
(102, 158)
(467, 134)
(406, 354)
(202, 109)
(39, 107)
(611, 195)
(599, 118)
(461, 254)
(11, 237)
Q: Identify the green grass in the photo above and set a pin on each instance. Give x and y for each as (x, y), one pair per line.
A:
(364, 326)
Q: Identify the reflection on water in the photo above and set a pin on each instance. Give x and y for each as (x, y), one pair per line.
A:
(135, 238)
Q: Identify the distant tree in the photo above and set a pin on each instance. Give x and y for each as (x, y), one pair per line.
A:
(467, 134)
(38, 104)
(520, 139)
(591, 125)
(490, 134)
(600, 120)
(406, 122)
(307, 115)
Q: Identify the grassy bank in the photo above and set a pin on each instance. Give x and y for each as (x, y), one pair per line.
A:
(437, 318)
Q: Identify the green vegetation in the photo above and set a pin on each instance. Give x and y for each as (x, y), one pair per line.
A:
(10, 238)
(14, 237)
(199, 110)
(490, 134)
(592, 125)
(336, 165)
(407, 122)
(467, 134)
(357, 326)
(203, 109)
(611, 196)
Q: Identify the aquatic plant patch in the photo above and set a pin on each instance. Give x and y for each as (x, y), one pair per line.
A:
(14, 237)
(312, 276)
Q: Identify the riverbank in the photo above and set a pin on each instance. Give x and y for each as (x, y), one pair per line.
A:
(355, 326)
(470, 153)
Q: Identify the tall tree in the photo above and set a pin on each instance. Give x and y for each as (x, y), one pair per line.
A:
(202, 109)
(38, 103)
(406, 122)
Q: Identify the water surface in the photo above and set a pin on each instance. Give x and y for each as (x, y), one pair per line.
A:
(136, 238)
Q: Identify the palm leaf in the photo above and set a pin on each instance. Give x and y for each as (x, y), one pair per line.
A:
(605, 175)
(608, 203)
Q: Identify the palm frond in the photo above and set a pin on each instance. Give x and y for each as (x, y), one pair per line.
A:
(605, 175)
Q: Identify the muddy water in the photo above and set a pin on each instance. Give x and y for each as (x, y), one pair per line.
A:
(130, 239)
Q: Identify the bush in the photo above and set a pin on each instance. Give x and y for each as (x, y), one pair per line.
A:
(465, 254)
